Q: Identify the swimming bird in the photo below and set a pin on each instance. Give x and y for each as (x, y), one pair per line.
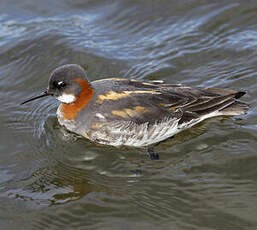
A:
(129, 112)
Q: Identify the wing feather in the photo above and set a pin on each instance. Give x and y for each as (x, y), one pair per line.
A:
(161, 101)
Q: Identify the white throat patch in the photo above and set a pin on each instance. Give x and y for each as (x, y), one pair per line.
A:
(66, 98)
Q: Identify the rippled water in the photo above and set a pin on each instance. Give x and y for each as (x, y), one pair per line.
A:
(206, 177)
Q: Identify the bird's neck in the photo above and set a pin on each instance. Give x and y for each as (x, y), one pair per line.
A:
(71, 110)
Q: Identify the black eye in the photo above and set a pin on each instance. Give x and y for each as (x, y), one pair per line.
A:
(59, 84)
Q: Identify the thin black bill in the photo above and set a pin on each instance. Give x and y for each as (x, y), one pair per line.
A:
(44, 94)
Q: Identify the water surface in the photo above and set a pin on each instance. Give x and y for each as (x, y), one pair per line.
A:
(206, 177)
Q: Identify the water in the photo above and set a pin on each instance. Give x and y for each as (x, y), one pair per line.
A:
(206, 177)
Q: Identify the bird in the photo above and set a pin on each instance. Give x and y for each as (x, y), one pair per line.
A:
(131, 112)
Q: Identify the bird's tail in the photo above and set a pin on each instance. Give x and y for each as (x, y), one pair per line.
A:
(235, 108)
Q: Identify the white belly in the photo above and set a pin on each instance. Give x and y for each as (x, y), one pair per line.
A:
(128, 133)
(131, 134)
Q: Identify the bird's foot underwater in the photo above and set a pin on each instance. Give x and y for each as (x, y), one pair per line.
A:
(153, 155)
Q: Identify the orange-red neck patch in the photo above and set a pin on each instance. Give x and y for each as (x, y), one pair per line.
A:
(71, 110)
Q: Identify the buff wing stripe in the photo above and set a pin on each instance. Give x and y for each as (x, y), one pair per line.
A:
(112, 95)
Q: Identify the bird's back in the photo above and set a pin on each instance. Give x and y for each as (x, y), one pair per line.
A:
(140, 113)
